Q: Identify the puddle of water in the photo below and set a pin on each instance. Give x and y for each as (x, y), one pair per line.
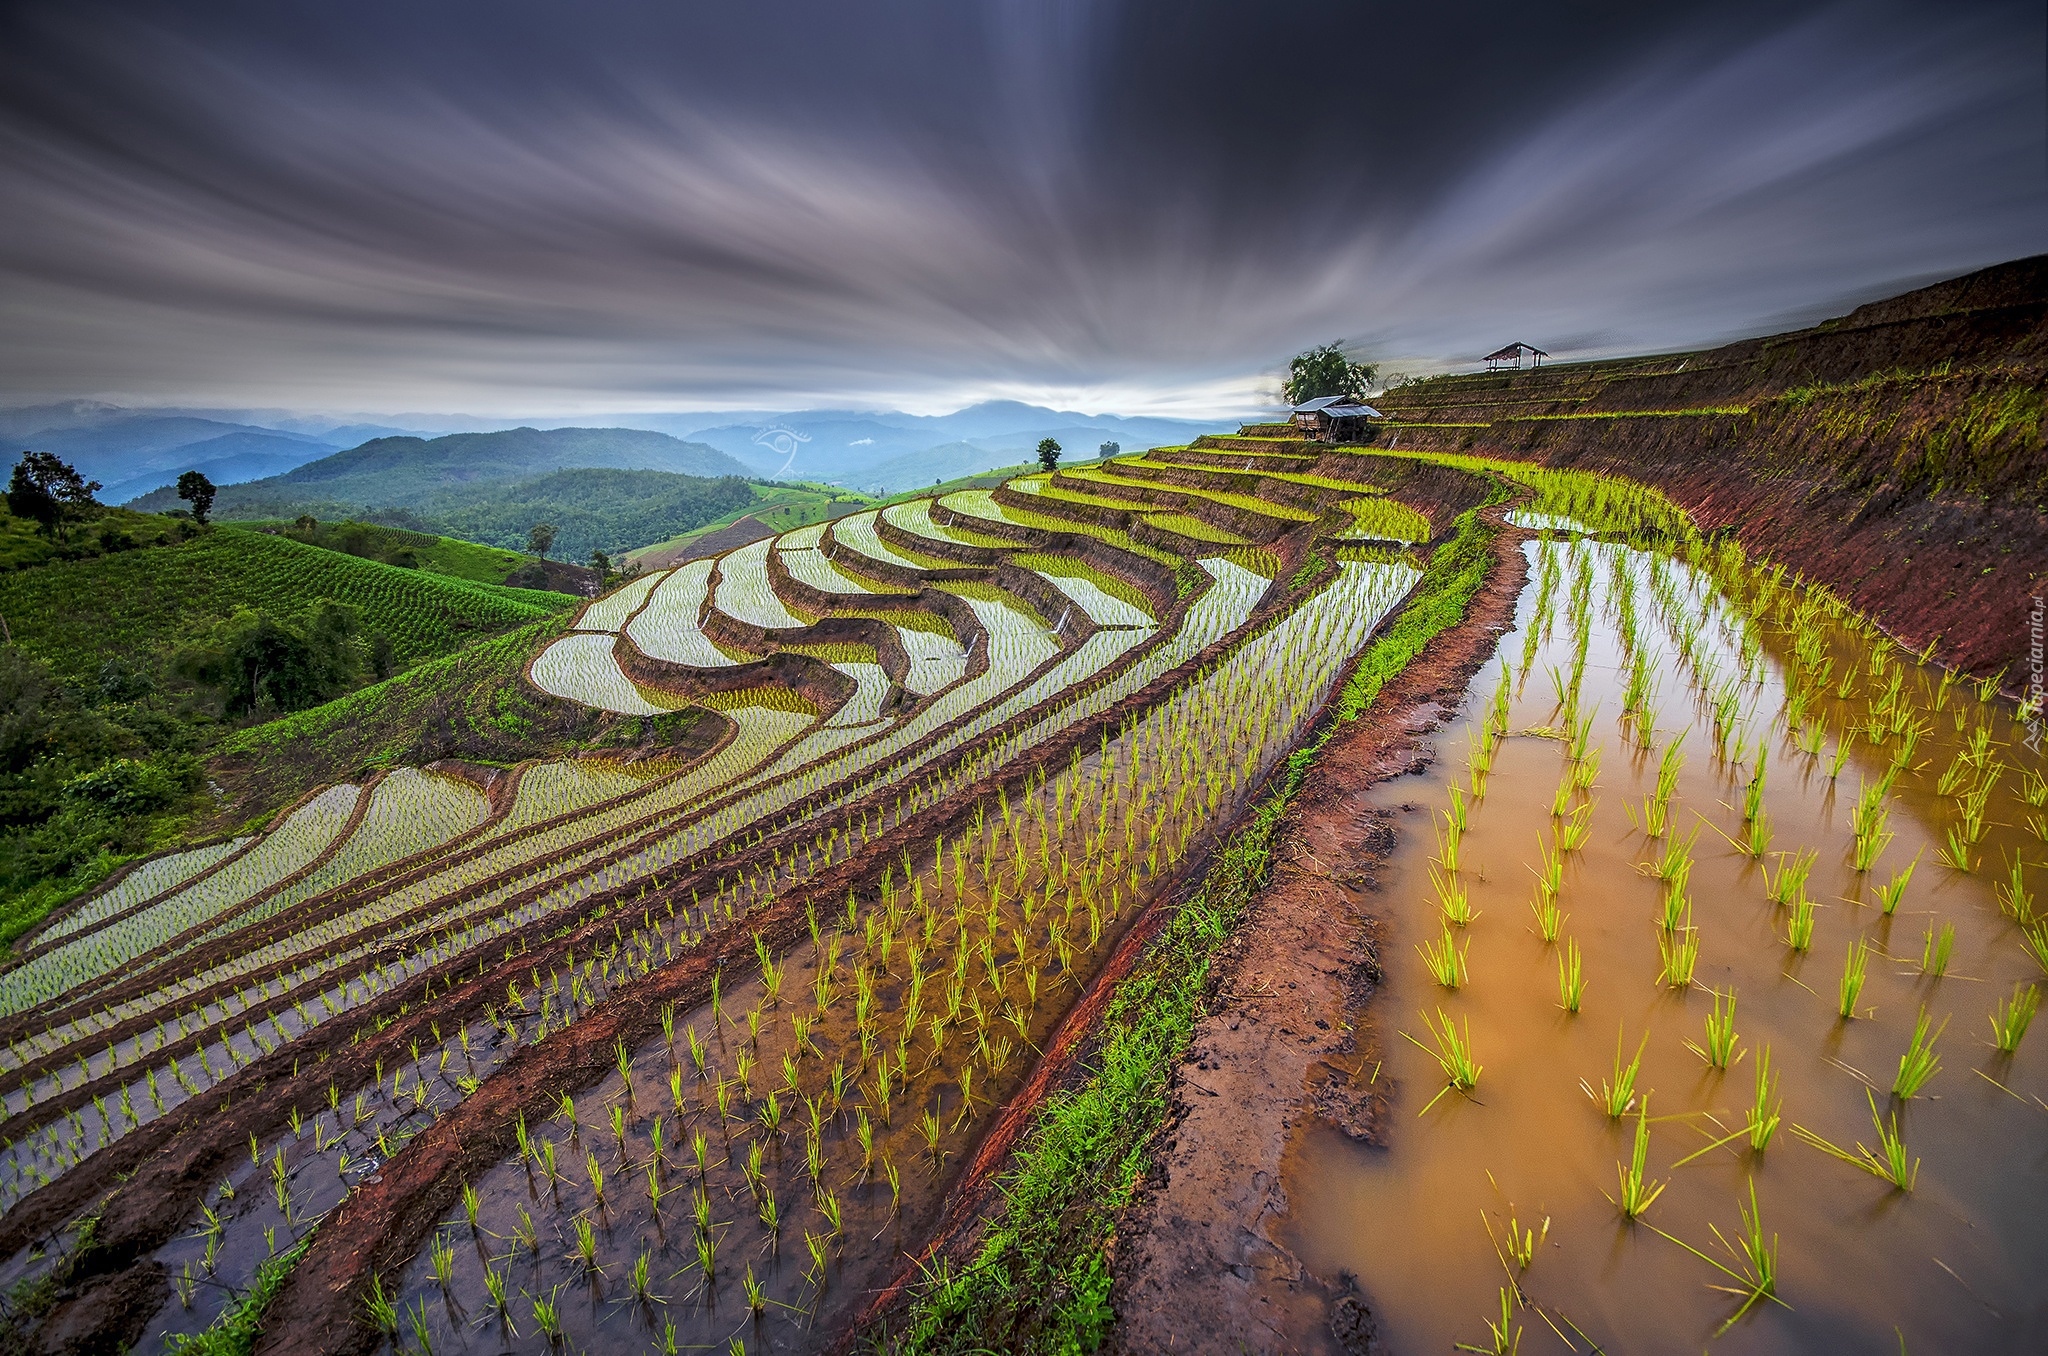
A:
(1954, 1266)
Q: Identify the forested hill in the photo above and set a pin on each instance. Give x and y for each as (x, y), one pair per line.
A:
(604, 489)
(398, 471)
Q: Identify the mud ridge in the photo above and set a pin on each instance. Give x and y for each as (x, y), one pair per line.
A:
(1199, 1263)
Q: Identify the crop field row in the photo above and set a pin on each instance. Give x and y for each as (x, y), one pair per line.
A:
(857, 533)
(1248, 503)
(597, 880)
(147, 881)
(670, 625)
(745, 592)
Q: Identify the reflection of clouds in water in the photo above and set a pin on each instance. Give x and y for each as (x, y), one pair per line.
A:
(1036, 199)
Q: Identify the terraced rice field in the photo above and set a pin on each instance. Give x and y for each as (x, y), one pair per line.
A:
(614, 1056)
(930, 824)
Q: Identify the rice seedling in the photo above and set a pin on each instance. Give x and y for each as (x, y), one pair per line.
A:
(1788, 882)
(1920, 1062)
(1638, 1190)
(1504, 1338)
(1889, 1162)
(1758, 840)
(2010, 1019)
(1571, 978)
(1936, 948)
(1840, 759)
(1562, 798)
(382, 1313)
(1892, 891)
(1760, 1121)
(1453, 1054)
(1957, 852)
(1758, 1259)
(2015, 900)
(442, 1258)
(1617, 1095)
(1719, 1049)
(1447, 843)
(1853, 970)
(1445, 959)
(547, 1315)
(1452, 899)
(1675, 915)
(1679, 956)
(1523, 1242)
(1799, 927)
(1574, 833)
(1549, 917)
(2034, 934)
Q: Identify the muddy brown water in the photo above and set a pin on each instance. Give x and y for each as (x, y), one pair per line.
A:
(1955, 1266)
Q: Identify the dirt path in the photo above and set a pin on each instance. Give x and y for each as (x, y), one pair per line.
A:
(1200, 1265)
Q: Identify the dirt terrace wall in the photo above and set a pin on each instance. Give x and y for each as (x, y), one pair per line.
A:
(1898, 454)
(1956, 566)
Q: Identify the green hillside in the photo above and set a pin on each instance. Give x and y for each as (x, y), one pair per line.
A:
(605, 490)
(591, 509)
(400, 471)
(427, 551)
(137, 605)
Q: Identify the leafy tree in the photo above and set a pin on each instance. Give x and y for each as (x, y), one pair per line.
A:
(1326, 371)
(1108, 450)
(49, 491)
(194, 487)
(305, 522)
(1048, 454)
(541, 539)
(259, 660)
(602, 563)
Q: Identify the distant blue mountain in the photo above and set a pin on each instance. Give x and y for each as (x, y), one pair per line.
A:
(230, 459)
(889, 450)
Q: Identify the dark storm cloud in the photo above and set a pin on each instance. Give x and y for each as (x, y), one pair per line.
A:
(550, 206)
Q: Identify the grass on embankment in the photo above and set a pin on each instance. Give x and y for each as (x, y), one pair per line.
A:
(1040, 1281)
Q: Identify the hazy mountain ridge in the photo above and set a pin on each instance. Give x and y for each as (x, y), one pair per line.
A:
(136, 451)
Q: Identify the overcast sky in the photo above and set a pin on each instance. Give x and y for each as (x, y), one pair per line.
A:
(518, 208)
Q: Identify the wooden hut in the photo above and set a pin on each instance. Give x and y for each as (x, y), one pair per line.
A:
(1334, 419)
(1512, 356)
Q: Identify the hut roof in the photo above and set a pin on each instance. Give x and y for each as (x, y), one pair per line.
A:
(1514, 350)
(1337, 407)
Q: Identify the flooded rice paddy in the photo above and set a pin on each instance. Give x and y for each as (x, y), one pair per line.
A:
(1498, 1214)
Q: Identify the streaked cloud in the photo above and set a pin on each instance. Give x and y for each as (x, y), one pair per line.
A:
(535, 208)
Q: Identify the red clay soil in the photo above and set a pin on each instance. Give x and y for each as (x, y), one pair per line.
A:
(1923, 565)
(746, 530)
(1199, 1264)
